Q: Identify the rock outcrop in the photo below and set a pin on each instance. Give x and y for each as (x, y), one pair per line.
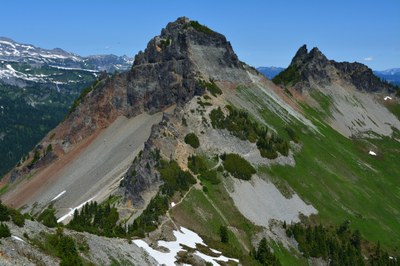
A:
(314, 66)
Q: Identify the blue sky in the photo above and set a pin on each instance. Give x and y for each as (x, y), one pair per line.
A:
(262, 33)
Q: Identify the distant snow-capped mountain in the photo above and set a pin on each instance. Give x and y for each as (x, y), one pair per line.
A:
(390, 75)
(37, 57)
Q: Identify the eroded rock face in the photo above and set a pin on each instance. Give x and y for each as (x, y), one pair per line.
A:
(362, 77)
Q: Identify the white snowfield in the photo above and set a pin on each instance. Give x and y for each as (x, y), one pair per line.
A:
(17, 49)
(185, 237)
(260, 201)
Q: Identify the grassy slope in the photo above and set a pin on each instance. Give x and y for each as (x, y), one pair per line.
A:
(197, 213)
(334, 174)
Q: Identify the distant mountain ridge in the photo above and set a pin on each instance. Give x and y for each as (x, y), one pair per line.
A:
(35, 56)
(390, 75)
(270, 72)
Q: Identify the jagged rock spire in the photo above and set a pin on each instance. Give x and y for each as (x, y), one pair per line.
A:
(314, 66)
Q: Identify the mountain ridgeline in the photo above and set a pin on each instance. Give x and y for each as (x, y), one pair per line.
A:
(191, 137)
(313, 66)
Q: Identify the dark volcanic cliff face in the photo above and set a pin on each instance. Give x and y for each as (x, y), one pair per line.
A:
(167, 71)
(314, 66)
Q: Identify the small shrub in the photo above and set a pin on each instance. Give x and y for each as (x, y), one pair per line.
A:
(165, 42)
(49, 148)
(220, 169)
(36, 157)
(223, 233)
(290, 76)
(200, 28)
(292, 134)
(217, 118)
(4, 231)
(238, 167)
(82, 96)
(192, 140)
(4, 213)
(211, 176)
(17, 218)
(205, 189)
(197, 164)
(48, 217)
(264, 255)
(211, 87)
(184, 122)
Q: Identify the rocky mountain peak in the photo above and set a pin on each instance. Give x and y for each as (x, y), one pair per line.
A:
(167, 72)
(314, 57)
(314, 66)
(174, 41)
(300, 55)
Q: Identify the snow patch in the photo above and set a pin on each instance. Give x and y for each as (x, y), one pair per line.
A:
(74, 68)
(387, 98)
(72, 210)
(8, 43)
(17, 238)
(59, 195)
(185, 237)
(9, 67)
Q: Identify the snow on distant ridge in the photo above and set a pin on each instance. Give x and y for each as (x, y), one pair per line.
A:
(75, 68)
(36, 56)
